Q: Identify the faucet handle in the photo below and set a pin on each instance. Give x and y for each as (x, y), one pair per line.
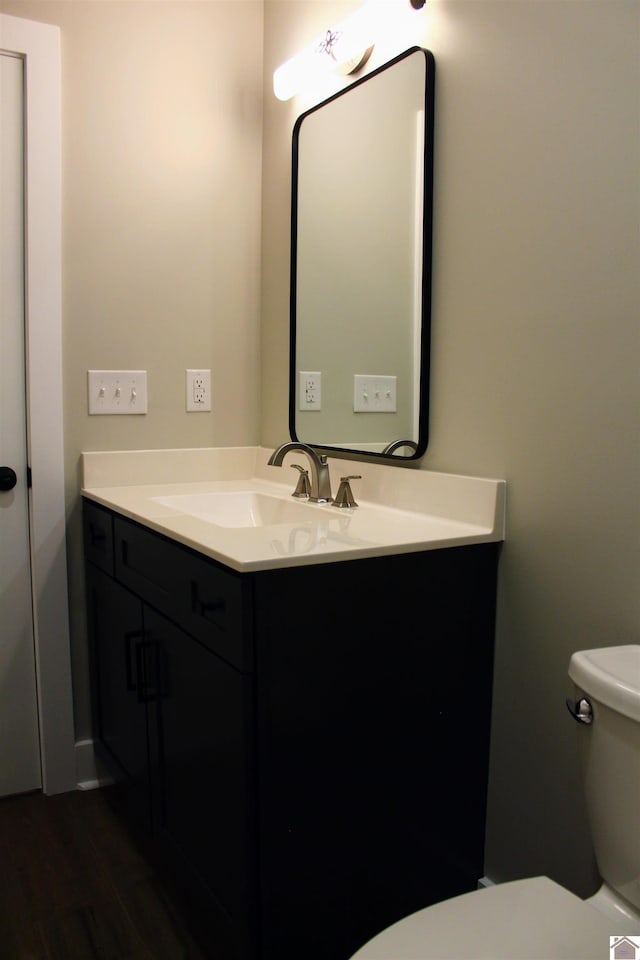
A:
(302, 486)
(344, 497)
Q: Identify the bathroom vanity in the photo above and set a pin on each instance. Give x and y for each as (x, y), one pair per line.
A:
(304, 735)
(296, 698)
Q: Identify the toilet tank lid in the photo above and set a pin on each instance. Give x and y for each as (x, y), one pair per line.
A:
(610, 675)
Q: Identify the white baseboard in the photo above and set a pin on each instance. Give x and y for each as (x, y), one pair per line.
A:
(90, 773)
(485, 882)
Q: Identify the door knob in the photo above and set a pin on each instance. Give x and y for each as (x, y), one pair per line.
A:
(8, 478)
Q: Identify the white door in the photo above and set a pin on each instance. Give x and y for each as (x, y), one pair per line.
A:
(20, 768)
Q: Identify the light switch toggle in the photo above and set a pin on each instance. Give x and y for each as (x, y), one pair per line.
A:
(374, 394)
(117, 391)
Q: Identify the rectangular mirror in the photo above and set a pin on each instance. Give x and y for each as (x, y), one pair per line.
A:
(362, 185)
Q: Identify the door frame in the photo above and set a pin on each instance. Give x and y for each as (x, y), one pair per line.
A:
(39, 45)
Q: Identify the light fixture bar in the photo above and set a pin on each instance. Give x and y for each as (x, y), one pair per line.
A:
(342, 49)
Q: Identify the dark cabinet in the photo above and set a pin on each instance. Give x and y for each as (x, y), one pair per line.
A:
(172, 718)
(121, 665)
(205, 736)
(309, 745)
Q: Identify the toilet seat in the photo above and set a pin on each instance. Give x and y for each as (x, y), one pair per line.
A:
(533, 919)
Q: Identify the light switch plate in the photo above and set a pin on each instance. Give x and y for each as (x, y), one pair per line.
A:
(117, 391)
(374, 394)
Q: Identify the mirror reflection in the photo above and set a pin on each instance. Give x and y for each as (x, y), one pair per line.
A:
(361, 264)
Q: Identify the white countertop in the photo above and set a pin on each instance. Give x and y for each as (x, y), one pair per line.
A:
(401, 510)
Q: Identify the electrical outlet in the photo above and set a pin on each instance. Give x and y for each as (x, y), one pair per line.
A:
(198, 391)
(117, 391)
(309, 390)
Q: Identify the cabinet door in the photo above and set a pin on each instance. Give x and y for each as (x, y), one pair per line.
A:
(120, 662)
(204, 721)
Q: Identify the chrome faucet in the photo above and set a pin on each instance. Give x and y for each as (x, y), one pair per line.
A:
(397, 444)
(320, 488)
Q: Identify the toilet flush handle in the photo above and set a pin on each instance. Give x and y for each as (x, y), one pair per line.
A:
(581, 710)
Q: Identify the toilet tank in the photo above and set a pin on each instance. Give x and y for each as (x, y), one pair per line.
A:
(610, 755)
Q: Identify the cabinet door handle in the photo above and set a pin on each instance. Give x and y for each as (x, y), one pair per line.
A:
(203, 607)
(131, 675)
(145, 671)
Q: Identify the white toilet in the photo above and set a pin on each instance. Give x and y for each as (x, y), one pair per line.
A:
(536, 919)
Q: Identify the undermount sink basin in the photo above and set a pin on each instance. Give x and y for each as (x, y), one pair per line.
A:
(238, 508)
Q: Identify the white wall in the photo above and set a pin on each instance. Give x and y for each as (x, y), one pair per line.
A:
(536, 338)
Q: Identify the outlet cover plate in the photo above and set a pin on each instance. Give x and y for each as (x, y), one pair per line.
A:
(198, 391)
(310, 390)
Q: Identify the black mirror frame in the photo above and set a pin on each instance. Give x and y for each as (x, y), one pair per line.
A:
(427, 252)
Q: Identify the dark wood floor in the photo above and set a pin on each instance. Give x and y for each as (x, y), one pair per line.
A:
(75, 885)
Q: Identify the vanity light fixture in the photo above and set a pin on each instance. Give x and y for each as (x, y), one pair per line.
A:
(342, 50)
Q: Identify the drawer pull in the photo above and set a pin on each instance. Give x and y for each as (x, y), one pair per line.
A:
(203, 607)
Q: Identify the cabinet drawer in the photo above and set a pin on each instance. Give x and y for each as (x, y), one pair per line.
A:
(98, 536)
(204, 599)
(217, 609)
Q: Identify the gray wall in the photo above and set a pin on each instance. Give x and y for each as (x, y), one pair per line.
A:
(536, 339)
